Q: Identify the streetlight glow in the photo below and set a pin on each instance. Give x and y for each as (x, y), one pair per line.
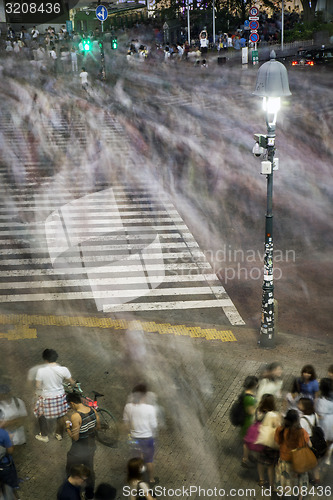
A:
(271, 104)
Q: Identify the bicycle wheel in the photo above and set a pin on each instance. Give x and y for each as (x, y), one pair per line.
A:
(108, 433)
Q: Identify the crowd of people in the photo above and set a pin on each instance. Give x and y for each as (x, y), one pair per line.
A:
(273, 426)
(272, 423)
(57, 413)
(62, 52)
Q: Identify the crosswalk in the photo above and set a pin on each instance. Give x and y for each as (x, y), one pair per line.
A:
(120, 249)
(126, 250)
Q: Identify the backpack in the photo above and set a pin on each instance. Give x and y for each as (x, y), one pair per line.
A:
(237, 412)
(319, 445)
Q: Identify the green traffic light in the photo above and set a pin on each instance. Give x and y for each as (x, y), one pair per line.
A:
(114, 43)
(86, 46)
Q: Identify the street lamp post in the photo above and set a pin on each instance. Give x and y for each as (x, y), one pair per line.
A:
(214, 35)
(188, 23)
(272, 84)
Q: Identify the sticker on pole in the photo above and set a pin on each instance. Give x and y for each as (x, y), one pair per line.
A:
(101, 13)
(254, 11)
(254, 37)
(254, 25)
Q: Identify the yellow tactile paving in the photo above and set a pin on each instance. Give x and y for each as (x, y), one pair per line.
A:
(22, 323)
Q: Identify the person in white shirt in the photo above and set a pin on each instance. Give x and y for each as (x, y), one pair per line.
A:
(271, 381)
(204, 42)
(74, 60)
(13, 412)
(141, 419)
(34, 33)
(51, 402)
(84, 78)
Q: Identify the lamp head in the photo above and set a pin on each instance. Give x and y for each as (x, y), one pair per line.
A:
(272, 79)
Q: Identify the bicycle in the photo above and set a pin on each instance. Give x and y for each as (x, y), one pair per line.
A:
(108, 433)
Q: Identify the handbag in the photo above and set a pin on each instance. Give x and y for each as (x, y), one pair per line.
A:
(303, 459)
(267, 430)
(251, 437)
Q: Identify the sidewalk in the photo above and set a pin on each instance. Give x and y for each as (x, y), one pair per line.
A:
(196, 381)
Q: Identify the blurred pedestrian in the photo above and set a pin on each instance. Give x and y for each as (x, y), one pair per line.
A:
(84, 78)
(141, 420)
(270, 381)
(249, 401)
(136, 486)
(14, 414)
(307, 384)
(267, 457)
(308, 419)
(289, 436)
(8, 474)
(51, 403)
(71, 488)
(81, 427)
(324, 409)
(74, 60)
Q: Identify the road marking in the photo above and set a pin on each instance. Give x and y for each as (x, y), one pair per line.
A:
(78, 237)
(22, 326)
(127, 280)
(122, 294)
(161, 306)
(104, 258)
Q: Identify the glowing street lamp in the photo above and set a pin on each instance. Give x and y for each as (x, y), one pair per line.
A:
(272, 84)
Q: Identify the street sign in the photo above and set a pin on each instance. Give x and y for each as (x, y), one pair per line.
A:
(254, 11)
(254, 25)
(101, 13)
(254, 18)
(254, 37)
(255, 57)
(246, 23)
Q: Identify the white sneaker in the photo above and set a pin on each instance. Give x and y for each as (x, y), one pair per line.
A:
(45, 439)
(58, 436)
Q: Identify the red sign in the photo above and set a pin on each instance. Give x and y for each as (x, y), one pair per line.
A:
(254, 37)
(254, 25)
(254, 11)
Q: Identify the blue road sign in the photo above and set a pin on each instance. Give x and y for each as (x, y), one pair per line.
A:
(254, 37)
(101, 13)
(254, 25)
(246, 23)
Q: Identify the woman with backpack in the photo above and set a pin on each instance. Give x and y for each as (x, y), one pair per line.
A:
(324, 409)
(249, 404)
(308, 420)
(290, 436)
(137, 488)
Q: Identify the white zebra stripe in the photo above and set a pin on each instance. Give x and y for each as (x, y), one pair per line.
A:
(159, 306)
(107, 294)
(127, 280)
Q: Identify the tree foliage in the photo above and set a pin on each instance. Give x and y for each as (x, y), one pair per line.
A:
(309, 10)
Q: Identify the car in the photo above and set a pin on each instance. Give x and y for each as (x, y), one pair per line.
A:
(313, 57)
